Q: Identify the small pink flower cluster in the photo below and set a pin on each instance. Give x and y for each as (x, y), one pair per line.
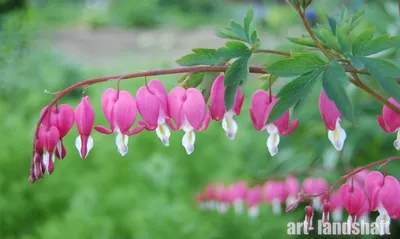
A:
(362, 194)
(273, 192)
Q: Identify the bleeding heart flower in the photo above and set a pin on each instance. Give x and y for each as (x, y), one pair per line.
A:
(316, 186)
(119, 108)
(237, 195)
(373, 185)
(325, 210)
(152, 103)
(218, 110)
(390, 121)
(336, 207)
(308, 220)
(222, 196)
(84, 119)
(261, 106)
(253, 199)
(48, 138)
(292, 187)
(275, 194)
(188, 110)
(62, 117)
(211, 196)
(353, 199)
(332, 117)
(389, 196)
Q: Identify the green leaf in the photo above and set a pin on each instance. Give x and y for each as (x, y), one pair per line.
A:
(302, 41)
(342, 37)
(193, 81)
(200, 56)
(332, 24)
(296, 65)
(361, 42)
(239, 30)
(247, 21)
(228, 33)
(356, 62)
(332, 79)
(293, 92)
(236, 74)
(254, 37)
(384, 72)
(379, 44)
(328, 38)
(233, 49)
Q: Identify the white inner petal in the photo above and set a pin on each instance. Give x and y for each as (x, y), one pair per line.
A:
(317, 205)
(325, 215)
(223, 208)
(397, 141)
(382, 221)
(188, 141)
(276, 206)
(337, 215)
(59, 149)
(89, 145)
(273, 139)
(78, 145)
(46, 160)
(290, 199)
(253, 212)
(337, 136)
(229, 125)
(238, 206)
(122, 143)
(163, 133)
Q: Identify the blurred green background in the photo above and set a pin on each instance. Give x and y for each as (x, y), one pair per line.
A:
(149, 193)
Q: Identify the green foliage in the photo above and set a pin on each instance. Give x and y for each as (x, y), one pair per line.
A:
(385, 73)
(296, 65)
(293, 92)
(332, 82)
(236, 75)
(191, 80)
(328, 38)
(379, 44)
(233, 50)
(238, 32)
(200, 56)
(362, 41)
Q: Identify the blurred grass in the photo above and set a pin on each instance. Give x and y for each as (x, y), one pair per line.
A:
(149, 193)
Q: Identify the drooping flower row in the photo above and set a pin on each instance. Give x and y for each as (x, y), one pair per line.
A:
(366, 192)
(181, 109)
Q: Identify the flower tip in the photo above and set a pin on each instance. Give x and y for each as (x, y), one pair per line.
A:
(231, 135)
(273, 151)
(396, 144)
(189, 149)
(165, 142)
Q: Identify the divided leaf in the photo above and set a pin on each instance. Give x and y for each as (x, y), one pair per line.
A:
(233, 49)
(385, 73)
(200, 56)
(379, 44)
(193, 81)
(294, 91)
(361, 42)
(241, 33)
(235, 75)
(328, 38)
(296, 65)
(332, 79)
